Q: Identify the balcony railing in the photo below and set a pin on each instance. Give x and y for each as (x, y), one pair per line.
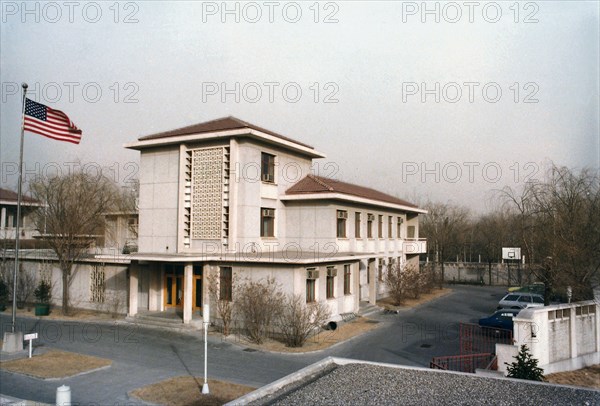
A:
(414, 245)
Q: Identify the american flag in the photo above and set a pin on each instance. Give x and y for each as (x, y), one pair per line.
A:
(50, 123)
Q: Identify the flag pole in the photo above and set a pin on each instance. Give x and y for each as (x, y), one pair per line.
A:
(19, 195)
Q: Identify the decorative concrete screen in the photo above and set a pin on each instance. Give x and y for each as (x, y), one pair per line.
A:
(207, 193)
(97, 284)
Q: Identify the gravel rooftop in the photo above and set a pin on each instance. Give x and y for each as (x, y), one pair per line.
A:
(365, 384)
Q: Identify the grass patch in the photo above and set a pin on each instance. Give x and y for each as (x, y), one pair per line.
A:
(324, 339)
(55, 364)
(186, 391)
(410, 302)
(587, 377)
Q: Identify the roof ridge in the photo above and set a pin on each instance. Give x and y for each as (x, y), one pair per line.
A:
(319, 180)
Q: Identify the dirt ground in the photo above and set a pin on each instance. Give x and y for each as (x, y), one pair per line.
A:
(55, 364)
(187, 391)
(407, 303)
(56, 314)
(587, 377)
(324, 339)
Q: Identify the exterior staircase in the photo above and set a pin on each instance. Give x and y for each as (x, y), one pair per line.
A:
(365, 309)
(164, 321)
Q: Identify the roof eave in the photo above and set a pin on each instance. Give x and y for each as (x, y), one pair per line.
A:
(350, 198)
(179, 139)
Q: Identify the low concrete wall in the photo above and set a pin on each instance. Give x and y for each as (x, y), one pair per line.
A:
(500, 274)
(88, 276)
(561, 337)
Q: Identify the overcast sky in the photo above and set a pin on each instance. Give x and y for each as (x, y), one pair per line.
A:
(445, 110)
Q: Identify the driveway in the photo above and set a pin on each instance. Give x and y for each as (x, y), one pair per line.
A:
(143, 356)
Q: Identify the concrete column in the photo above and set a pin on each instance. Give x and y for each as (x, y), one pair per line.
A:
(371, 269)
(573, 332)
(133, 289)
(154, 288)
(355, 278)
(188, 274)
(234, 183)
(597, 328)
(3, 218)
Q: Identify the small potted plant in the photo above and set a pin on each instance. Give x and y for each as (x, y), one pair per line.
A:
(43, 294)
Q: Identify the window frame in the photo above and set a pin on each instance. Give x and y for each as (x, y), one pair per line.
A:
(263, 229)
(399, 222)
(330, 287)
(267, 167)
(311, 290)
(341, 224)
(347, 279)
(225, 283)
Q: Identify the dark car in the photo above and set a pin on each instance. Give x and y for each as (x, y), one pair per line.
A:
(500, 319)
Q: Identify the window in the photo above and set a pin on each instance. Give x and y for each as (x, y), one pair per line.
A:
(267, 222)
(390, 227)
(346, 279)
(357, 225)
(370, 219)
(267, 168)
(399, 228)
(331, 274)
(380, 226)
(310, 290)
(410, 231)
(342, 216)
(225, 284)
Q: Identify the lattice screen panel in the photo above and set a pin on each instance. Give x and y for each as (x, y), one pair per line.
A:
(97, 284)
(207, 193)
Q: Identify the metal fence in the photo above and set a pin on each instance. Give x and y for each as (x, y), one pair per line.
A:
(463, 363)
(475, 339)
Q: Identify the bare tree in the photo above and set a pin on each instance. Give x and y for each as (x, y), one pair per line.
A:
(224, 304)
(491, 233)
(445, 225)
(72, 217)
(259, 303)
(401, 281)
(559, 227)
(297, 319)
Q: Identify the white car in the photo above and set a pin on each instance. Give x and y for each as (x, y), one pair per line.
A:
(521, 300)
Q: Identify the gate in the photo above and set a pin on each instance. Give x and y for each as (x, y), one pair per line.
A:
(477, 349)
(474, 339)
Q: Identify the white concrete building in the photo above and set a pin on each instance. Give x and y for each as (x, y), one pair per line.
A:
(8, 215)
(229, 197)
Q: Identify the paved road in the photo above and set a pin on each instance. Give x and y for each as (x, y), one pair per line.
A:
(143, 356)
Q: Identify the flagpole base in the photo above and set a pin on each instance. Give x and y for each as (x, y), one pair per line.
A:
(205, 389)
(13, 342)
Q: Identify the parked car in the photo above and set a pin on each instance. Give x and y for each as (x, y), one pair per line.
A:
(500, 319)
(521, 300)
(537, 287)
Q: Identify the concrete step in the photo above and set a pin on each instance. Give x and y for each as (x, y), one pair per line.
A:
(164, 323)
(366, 309)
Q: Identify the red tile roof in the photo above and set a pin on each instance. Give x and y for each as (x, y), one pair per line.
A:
(318, 184)
(221, 124)
(11, 196)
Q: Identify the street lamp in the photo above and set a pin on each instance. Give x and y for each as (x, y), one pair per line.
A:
(205, 320)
